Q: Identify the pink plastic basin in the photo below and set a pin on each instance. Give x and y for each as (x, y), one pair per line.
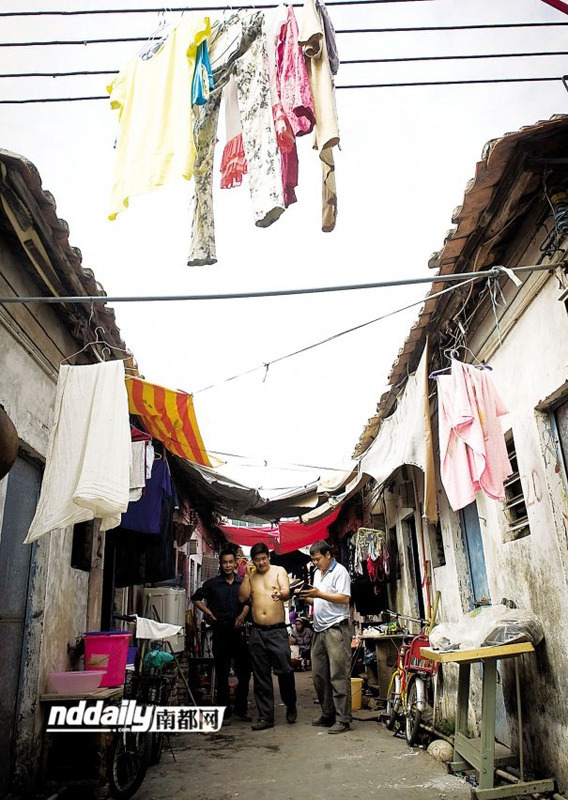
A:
(76, 682)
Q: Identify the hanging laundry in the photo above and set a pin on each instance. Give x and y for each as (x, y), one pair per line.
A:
(168, 416)
(145, 515)
(295, 101)
(202, 77)
(237, 46)
(473, 452)
(330, 39)
(87, 471)
(274, 35)
(233, 162)
(369, 544)
(137, 471)
(326, 130)
(155, 138)
(293, 81)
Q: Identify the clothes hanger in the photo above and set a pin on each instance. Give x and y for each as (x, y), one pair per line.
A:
(453, 355)
(156, 38)
(106, 346)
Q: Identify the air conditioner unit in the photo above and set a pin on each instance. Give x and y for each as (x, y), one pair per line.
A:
(167, 605)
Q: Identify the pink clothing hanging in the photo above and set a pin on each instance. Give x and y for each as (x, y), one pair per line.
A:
(473, 451)
(294, 86)
(233, 161)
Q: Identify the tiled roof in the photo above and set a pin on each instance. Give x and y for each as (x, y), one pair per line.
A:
(35, 217)
(474, 232)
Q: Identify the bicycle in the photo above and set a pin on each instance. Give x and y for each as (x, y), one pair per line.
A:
(409, 684)
(132, 752)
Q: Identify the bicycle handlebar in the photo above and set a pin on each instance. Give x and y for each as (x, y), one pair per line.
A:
(396, 615)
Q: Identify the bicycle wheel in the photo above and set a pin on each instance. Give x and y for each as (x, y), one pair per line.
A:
(156, 747)
(413, 714)
(393, 702)
(128, 761)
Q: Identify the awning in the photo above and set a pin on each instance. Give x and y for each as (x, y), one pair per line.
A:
(169, 417)
(354, 481)
(294, 535)
(248, 536)
(284, 537)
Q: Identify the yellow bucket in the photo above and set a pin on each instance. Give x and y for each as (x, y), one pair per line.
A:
(356, 693)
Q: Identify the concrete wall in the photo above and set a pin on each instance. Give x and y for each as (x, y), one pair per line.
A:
(32, 344)
(529, 357)
(529, 369)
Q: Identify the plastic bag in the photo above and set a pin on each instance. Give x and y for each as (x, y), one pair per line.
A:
(488, 626)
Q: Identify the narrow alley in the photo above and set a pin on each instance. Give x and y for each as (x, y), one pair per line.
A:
(296, 761)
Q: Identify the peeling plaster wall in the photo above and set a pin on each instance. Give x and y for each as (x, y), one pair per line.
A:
(65, 606)
(528, 367)
(30, 350)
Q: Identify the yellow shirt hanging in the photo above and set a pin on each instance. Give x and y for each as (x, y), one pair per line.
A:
(153, 98)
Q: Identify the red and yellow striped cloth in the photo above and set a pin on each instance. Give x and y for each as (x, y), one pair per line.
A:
(169, 417)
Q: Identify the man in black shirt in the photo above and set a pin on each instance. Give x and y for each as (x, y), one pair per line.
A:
(227, 615)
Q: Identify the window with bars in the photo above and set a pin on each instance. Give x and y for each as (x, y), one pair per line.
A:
(514, 503)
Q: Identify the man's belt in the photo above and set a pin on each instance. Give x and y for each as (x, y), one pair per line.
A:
(337, 624)
(277, 627)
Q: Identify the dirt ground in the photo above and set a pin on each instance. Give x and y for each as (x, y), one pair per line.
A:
(293, 762)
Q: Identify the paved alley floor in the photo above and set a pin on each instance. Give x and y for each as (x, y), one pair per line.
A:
(299, 762)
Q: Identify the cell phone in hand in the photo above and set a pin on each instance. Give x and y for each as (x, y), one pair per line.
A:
(299, 586)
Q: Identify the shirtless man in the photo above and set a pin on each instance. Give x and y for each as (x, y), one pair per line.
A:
(267, 587)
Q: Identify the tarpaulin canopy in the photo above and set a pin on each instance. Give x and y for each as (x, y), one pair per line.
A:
(168, 416)
(249, 536)
(284, 537)
(406, 438)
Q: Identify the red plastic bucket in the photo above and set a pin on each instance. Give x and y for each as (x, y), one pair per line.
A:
(107, 651)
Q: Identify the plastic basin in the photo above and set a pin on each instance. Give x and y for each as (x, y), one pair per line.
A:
(76, 682)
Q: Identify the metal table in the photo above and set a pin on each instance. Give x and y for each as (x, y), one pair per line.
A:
(484, 754)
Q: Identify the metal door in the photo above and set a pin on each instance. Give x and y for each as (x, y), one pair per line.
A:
(22, 494)
(476, 557)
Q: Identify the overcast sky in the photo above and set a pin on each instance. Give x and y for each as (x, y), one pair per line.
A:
(406, 156)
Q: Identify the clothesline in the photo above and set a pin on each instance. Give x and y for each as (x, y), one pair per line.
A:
(494, 272)
(83, 12)
(347, 62)
(413, 84)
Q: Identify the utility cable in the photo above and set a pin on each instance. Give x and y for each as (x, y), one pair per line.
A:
(181, 9)
(494, 272)
(331, 338)
(407, 84)
(347, 62)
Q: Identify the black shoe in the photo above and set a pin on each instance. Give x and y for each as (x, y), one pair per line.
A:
(226, 721)
(291, 715)
(262, 725)
(244, 717)
(340, 727)
(323, 722)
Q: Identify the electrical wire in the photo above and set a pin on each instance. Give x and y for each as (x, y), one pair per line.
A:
(407, 84)
(181, 9)
(347, 62)
(282, 465)
(305, 349)
(493, 272)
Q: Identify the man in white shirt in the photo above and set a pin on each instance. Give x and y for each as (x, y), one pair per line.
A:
(331, 643)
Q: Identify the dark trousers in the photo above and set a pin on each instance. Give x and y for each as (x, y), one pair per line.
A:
(229, 645)
(270, 650)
